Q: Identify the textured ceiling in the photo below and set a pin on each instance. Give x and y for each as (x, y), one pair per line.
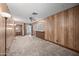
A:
(24, 10)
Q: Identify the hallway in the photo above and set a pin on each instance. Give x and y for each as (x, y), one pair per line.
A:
(26, 29)
(33, 46)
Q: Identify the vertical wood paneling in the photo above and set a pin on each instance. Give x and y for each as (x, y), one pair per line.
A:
(55, 29)
(76, 18)
(69, 17)
(66, 28)
(4, 7)
(2, 36)
(23, 29)
(62, 28)
(66, 25)
(50, 30)
(9, 33)
(6, 32)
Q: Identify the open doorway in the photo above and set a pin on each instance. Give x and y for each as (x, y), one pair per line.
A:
(29, 30)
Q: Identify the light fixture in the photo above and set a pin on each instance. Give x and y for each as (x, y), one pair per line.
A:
(33, 17)
(5, 14)
(34, 13)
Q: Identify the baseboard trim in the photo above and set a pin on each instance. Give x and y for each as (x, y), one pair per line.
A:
(63, 46)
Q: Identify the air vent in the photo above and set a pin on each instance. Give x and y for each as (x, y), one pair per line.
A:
(34, 13)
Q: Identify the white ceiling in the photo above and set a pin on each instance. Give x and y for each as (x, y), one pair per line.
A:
(24, 10)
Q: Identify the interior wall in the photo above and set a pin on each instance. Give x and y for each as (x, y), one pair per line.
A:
(2, 36)
(6, 30)
(20, 28)
(23, 29)
(62, 28)
(10, 33)
(38, 29)
(4, 7)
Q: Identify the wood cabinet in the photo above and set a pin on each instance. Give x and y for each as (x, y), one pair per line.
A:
(40, 34)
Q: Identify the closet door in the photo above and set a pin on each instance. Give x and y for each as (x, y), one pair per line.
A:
(2, 36)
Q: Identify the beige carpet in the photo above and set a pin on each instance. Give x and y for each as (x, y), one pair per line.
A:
(33, 46)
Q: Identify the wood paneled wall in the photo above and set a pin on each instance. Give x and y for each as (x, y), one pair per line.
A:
(23, 29)
(10, 33)
(76, 22)
(2, 36)
(63, 28)
(6, 30)
(4, 7)
(6, 34)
